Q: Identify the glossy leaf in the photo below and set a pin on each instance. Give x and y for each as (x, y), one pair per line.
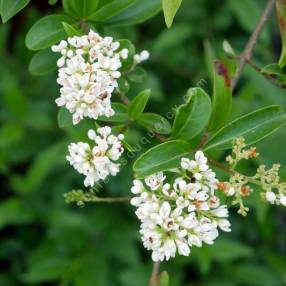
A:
(9, 8)
(170, 8)
(110, 10)
(137, 13)
(281, 14)
(121, 113)
(162, 157)
(222, 96)
(46, 32)
(155, 122)
(70, 30)
(127, 63)
(193, 116)
(80, 9)
(253, 127)
(64, 118)
(43, 62)
(138, 104)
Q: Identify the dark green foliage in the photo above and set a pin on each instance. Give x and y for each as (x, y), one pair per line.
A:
(45, 241)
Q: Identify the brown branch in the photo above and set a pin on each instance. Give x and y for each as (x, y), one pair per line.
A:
(123, 98)
(154, 275)
(84, 26)
(248, 51)
(266, 75)
(221, 166)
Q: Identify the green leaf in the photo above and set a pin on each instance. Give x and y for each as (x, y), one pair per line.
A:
(163, 279)
(138, 104)
(137, 75)
(170, 8)
(70, 30)
(127, 63)
(9, 8)
(64, 118)
(46, 32)
(273, 69)
(43, 62)
(253, 127)
(121, 113)
(137, 13)
(110, 10)
(154, 122)
(123, 85)
(276, 72)
(193, 116)
(80, 9)
(281, 14)
(222, 96)
(162, 157)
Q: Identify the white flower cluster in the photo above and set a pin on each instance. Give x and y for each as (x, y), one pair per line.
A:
(97, 162)
(180, 215)
(88, 73)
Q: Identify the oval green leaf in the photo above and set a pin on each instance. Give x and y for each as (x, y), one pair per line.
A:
(64, 118)
(253, 127)
(127, 63)
(43, 62)
(155, 122)
(170, 8)
(110, 10)
(46, 32)
(281, 14)
(138, 104)
(222, 96)
(193, 116)
(137, 13)
(162, 157)
(10, 8)
(80, 9)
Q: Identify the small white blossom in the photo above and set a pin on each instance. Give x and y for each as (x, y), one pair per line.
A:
(88, 73)
(143, 56)
(180, 214)
(282, 200)
(270, 197)
(98, 161)
(155, 181)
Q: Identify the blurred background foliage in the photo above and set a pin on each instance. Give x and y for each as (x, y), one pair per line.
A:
(45, 242)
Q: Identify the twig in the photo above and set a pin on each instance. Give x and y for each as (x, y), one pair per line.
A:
(221, 166)
(154, 275)
(266, 75)
(123, 98)
(84, 26)
(247, 53)
(110, 200)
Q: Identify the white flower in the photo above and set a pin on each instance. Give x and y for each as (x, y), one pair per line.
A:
(282, 200)
(155, 181)
(181, 214)
(88, 72)
(270, 197)
(200, 171)
(96, 162)
(143, 56)
(137, 188)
